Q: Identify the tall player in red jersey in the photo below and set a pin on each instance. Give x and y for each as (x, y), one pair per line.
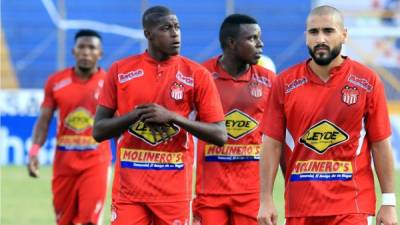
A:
(328, 115)
(227, 187)
(153, 94)
(81, 164)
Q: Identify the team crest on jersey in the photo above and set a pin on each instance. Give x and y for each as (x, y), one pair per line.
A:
(255, 89)
(177, 91)
(143, 132)
(238, 124)
(215, 75)
(322, 136)
(350, 95)
(79, 120)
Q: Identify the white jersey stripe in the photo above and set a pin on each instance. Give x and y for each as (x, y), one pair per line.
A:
(362, 136)
(289, 140)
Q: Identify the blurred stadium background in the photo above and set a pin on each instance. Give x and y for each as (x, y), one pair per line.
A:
(37, 37)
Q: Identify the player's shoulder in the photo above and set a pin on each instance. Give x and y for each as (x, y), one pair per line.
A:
(211, 63)
(264, 72)
(361, 70)
(128, 61)
(295, 71)
(60, 75)
(190, 66)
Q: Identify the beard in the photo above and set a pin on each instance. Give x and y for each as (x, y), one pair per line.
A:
(84, 69)
(324, 59)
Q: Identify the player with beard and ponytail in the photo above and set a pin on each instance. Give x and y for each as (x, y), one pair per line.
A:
(328, 117)
(81, 164)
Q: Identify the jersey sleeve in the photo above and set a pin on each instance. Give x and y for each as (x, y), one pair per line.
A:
(206, 97)
(49, 101)
(377, 118)
(274, 122)
(108, 95)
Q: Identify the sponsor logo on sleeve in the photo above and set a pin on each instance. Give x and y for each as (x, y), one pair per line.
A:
(151, 160)
(124, 77)
(350, 95)
(361, 82)
(322, 136)
(295, 84)
(238, 124)
(185, 79)
(321, 170)
(79, 120)
(62, 83)
(232, 153)
(262, 80)
(143, 132)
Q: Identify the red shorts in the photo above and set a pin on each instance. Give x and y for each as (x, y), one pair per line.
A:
(155, 213)
(80, 199)
(226, 209)
(350, 219)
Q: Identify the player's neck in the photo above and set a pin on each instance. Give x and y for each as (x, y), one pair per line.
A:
(234, 67)
(157, 55)
(85, 73)
(323, 72)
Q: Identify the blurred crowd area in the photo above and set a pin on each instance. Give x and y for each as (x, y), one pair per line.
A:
(37, 35)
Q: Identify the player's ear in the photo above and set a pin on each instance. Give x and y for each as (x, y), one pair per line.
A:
(230, 42)
(147, 34)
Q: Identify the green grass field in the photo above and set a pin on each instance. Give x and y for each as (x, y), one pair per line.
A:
(28, 201)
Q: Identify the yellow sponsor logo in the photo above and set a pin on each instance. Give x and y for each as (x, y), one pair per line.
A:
(79, 120)
(323, 136)
(147, 156)
(321, 170)
(76, 140)
(238, 124)
(151, 160)
(140, 130)
(76, 143)
(230, 153)
(322, 166)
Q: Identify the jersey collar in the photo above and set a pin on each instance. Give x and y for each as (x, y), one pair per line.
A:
(335, 72)
(223, 74)
(151, 60)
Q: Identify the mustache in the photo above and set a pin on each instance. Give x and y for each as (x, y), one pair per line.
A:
(321, 46)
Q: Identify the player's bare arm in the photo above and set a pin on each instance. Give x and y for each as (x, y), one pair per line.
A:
(106, 125)
(384, 167)
(269, 162)
(39, 137)
(214, 133)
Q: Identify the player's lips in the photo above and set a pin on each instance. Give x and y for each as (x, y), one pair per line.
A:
(176, 44)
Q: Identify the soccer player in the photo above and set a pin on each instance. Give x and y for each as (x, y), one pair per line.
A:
(328, 116)
(227, 186)
(153, 94)
(81, 164)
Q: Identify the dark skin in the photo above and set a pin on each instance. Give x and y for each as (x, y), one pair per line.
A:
(242, 51)
(87, 51)
(163, 42)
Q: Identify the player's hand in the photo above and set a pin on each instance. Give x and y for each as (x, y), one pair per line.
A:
(33, 166)
(386, 215)
(154, 113)
(159, 129)
(267, 214)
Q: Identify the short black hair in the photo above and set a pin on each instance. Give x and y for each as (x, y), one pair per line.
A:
(231, 25)
(87, 33)
(153, 14)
